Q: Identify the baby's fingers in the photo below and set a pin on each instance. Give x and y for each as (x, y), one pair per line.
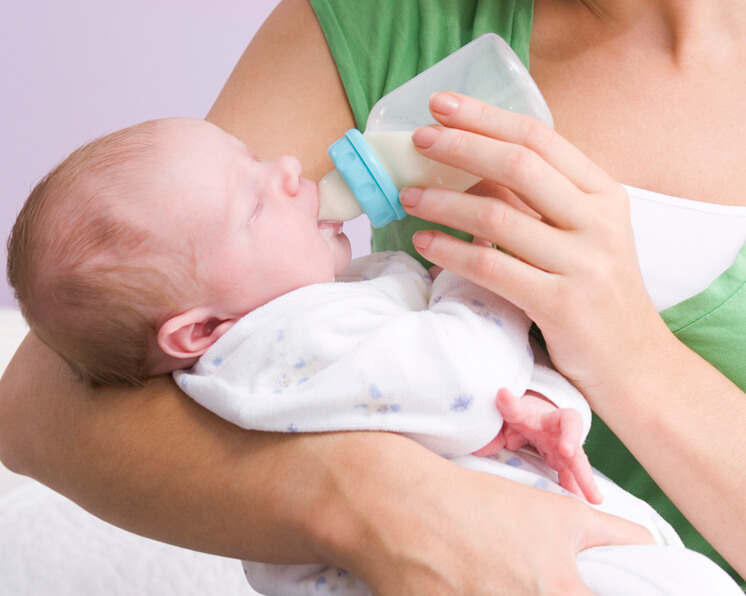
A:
(514, 439)
(582, 473)
(509, 406)
(493, 447)
(570, 425)
(569, 483)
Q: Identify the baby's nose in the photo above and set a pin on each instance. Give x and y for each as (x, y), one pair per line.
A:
(289, 169)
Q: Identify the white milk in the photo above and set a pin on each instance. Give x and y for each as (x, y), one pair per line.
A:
(406, 167)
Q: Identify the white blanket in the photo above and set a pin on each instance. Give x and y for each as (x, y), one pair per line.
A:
(50, 546)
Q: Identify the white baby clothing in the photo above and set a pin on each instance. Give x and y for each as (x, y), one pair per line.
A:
(393, 351)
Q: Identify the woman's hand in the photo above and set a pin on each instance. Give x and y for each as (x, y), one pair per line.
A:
(575, 272)
(574, 268)
(440, 528)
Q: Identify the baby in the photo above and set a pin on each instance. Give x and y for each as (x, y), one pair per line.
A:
(168, 247)
(143, 248)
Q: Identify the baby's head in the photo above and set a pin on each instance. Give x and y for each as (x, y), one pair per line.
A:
(140, 249)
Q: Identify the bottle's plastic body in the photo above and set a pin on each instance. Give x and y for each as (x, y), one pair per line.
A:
(371, 167)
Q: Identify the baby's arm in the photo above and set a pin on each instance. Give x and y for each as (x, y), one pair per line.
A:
(556, 433)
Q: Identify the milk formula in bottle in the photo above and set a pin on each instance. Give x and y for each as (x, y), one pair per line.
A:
(372, 166)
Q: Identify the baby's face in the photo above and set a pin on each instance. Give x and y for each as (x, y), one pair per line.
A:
(249, 226)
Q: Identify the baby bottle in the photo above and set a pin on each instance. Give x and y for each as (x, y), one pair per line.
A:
(372, 166)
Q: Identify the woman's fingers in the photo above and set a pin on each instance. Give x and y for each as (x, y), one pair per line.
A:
(524, 155)
(520, 283)
(511, 165)
(492, 220)
(614, 530)
(460, 111)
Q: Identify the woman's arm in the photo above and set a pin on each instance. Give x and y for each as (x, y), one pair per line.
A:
(154, 462)
(577, 276)
(150, 459)
(401, 518)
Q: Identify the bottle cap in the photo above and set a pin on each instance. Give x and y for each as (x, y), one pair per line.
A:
(367, 178)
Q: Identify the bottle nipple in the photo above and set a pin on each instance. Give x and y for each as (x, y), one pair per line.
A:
(366, 177)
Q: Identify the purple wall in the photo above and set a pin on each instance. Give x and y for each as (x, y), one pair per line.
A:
(71, 71)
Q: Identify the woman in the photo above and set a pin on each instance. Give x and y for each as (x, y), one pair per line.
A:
(621, 78)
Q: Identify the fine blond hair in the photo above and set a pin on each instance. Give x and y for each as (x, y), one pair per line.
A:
(86, 279)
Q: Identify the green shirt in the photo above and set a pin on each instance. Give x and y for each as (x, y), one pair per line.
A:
(378, 45)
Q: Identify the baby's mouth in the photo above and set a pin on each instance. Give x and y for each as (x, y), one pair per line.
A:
(332, 228)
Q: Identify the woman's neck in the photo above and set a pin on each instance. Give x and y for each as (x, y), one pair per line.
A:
(686, 30)
(656, 97)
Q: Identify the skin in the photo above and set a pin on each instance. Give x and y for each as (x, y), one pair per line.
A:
(438, 540)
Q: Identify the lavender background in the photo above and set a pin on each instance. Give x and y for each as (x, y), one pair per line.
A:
(73, 70)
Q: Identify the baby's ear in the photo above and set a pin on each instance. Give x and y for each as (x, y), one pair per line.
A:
(189, 334)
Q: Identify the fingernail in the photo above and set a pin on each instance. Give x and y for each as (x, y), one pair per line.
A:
(410, 196)
(444, 103)
(422, 239)
(425, 137)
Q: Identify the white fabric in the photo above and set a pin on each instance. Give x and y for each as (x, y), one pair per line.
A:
(392, 351)
(683, 245)
(653, 571)
(51, 547)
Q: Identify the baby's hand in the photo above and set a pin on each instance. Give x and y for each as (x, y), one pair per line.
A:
(554, 432)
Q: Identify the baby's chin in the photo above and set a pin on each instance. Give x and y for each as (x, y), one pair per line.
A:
(339, 244)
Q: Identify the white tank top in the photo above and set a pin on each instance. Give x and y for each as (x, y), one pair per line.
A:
(683, 245)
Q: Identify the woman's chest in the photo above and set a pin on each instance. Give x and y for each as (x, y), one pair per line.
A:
(679, 133)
